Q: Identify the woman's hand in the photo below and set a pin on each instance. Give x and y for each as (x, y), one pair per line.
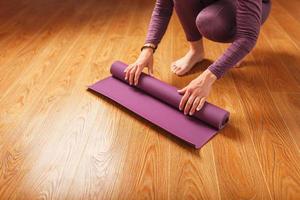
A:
(133, 71)
(196, 92)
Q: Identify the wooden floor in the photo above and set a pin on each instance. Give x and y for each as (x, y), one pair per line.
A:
(58, 141)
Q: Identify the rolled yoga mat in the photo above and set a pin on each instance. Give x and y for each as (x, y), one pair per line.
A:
(158, 103)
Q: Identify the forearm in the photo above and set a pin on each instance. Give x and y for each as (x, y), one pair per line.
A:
(159, 21)
(235, 52)
(248, 22)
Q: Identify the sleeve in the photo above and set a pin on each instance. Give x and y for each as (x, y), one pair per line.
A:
(161, 16)
(248, 22)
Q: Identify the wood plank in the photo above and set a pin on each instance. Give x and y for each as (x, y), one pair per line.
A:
(239, 161)
(271, 66)
(275, 148)
(59, 141)
(284, 54)
(21, 95)
(30, 141)
(78, 107)
(283, 16)
(289, 106)
(291, 8)
(27, 23)
(18, 54)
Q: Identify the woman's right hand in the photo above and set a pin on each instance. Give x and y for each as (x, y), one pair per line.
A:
(133, 71)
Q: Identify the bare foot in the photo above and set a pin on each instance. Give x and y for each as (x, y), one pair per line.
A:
(187, 62)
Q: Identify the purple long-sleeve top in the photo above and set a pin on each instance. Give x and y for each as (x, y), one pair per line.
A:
(248, 22)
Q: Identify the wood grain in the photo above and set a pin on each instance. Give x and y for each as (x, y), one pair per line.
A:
(59, 141)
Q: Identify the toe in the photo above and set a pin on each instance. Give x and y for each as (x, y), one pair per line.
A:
(179, 72)
(178, 69)
(174, 68)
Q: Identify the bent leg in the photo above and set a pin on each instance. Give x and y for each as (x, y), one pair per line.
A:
(187, 12)
(217, 21)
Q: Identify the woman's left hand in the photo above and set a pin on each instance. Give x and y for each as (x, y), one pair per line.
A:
(196, 92)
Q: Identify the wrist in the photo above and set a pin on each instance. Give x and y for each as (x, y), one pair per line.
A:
(149, 46)
(209, 76)
(148, 50)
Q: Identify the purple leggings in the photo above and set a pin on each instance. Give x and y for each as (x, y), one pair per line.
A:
(235, 21)
(215, 20)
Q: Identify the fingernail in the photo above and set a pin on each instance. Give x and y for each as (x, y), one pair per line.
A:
(191, 113)
(197, 109)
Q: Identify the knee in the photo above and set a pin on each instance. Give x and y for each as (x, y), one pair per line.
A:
(214, 28)
(204, 24)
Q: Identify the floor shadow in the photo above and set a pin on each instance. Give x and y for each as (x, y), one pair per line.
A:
(231, 132)
(267, 56)
(199, 67)
(273, 59)
(268, 60)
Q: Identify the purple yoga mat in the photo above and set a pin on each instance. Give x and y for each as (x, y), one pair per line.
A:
(158, 102)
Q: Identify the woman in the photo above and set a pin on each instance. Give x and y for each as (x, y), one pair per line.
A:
(235, 21)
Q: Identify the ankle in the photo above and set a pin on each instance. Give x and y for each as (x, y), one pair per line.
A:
(196, 51)
(196, 46)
